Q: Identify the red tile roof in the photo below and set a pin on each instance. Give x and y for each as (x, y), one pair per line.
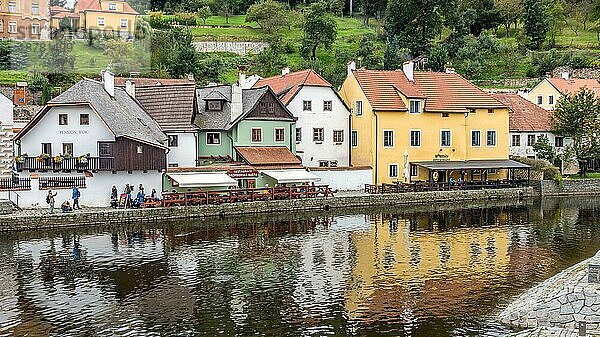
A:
(573, 85)
(267, 155)
(59, 9)
(151, 82)
(62, 15)
(286, 86)
(94, 5)
(525, 115)
(443, 92)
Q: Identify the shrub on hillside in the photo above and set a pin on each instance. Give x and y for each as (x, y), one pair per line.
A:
(549, 171)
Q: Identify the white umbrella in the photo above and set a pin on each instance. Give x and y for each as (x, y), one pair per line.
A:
(406, 172)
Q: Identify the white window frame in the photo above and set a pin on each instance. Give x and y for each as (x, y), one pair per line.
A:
(214, 144)
(389, 170)
(112, 6)
(534, 139)
(333, 136)
(100, 21)
(12, 7)
(495, 138)
(410, 137)
(330, 102)
(539, 100)
(358, 111)
(393, 139)
(298, 133)
(169, 141)
(12, 24)
(33, 30)
(307, 103)
(478, 138)
(562, 141)
(413, 102)
(140, 149)
(261, 135)
(354, 138)
(275, 135)
(416, 168)
(37, 7)
(512, 140)
(551, 99)
(126, 23)
(441, 137)
(322, 135)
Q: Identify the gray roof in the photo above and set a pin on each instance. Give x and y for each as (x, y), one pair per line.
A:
(222, 120)
(171, 106)
(472, 164)
(122, 114)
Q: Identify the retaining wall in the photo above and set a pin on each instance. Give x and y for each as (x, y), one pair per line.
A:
(40, 221)
(240, 48)
(567, 187)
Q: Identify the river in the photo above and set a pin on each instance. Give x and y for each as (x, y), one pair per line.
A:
(441, 270)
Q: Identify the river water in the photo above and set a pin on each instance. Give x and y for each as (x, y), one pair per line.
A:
(440, 270)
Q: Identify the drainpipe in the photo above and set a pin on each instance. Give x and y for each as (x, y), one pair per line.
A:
(376, 147)
(350, 140)
(197, 146)
(232, 147)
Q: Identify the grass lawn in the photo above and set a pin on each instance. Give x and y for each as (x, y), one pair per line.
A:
(89, 60)
(12, 76)
(589, 175)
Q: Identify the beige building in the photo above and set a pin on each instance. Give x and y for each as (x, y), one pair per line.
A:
(99, 16)
(547, 93)
(24, 20)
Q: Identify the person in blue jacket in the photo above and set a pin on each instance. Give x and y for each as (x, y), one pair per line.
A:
(76, 195)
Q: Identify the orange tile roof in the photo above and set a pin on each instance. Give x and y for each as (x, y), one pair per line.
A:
(62, 15)
(58, 9)
(267, 155)
(525, 115)
(94, 5)
(443, 92)
(286, 86)
(573, 85)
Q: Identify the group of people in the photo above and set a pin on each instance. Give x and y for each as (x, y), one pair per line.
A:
(65, 207)
(127, 194)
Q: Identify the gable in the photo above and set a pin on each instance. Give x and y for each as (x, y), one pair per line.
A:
(268, 107)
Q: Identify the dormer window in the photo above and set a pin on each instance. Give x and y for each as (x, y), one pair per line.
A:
(112, 6)
(415, 106)
(214, 105)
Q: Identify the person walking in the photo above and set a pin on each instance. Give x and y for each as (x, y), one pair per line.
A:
(76, 195)
(50, 201)
(114, 197)
(141, 189)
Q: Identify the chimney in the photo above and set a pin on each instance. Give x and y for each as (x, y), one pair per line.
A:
(351, 67)
(236, 101)
(409, 70)
(285, 71)
(191, 77)
(242, 76)
(450, 71)
(108, 79)
(130, 88)
(565, 75)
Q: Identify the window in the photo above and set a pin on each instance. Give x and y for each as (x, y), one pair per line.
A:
(123, 23)
(327, 106)
(540, 100)
(1, 24)
(492, 171)
(140, 149)
(105, 149)
(318, 134)
(414, 170)
(415, 106)
(354, 138)
(415, 138)
(279, 134)
(516, 140)
(323, 163)
(63, 119)
(490, 111)
(530, 140)
(35, 9)
(475, 138)
(559, 141)
(84, 119)
(12, 8)
(47, 148)
(67, 148)
(338, 136)
(173, 141)
(298, 134)
(491, 138)
(388, 138)
(112, 7)
(358, 110)
(35, 28)
(173, 165)
(100, 21)
(333, 163)
(12, 27)
(307, 105)
(445, 115)
(445, 138)
(551, 99)
(393, 170)
(214, 105)
(256, 135)
(214, 138)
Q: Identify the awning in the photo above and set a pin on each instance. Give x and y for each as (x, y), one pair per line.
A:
(202, 179)
(472, 164)
(291, 176)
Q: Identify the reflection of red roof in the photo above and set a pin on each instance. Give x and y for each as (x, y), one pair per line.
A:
(573, 85)
(286, 86)
(150, 82)
(525, 116)
(267, 155)
(58, 9)
(63, 15)
(443, 92)
(94, 5)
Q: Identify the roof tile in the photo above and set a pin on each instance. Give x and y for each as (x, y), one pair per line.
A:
(267, 155)
(525, 116)
(573, 85)
(286, 86)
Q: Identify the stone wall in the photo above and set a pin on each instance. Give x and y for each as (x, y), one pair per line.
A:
(240, 48)
(567, 187)
(577, 73)
(39, 221)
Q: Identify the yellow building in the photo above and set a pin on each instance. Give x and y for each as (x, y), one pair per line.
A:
(99, 16)
(426, 126)
(547, 93)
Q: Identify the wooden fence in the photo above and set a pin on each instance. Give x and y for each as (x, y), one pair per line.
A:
(426, 187)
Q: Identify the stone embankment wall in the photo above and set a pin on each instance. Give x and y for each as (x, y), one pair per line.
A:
(39, 221)
(567, 187)
(240, 48)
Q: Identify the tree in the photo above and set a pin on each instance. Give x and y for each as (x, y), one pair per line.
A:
(319, 29)
(60, 3)
(535, 23)
(268, 14)
(580, 11)
(174, 52)
(372, 8)
(576, 116)
(59, 56)
(438, 58)
(226, 8)
(414, 23)
(204, 13)
(556, 15)
(544, 149)
(509, 12)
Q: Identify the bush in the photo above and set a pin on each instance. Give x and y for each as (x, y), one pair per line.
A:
(549, 171)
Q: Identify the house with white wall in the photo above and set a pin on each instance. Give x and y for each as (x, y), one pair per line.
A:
(323, 126)
(547, 93)
(93, 136)
(6, 135)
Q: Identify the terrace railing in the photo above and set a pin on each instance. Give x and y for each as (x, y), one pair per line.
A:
(92, 164)
(421, 186)
(15, 184)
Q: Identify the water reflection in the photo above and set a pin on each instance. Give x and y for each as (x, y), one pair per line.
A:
(406, 272)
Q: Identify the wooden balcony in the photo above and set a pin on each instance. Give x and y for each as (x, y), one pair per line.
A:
(15, 184)
(71, 164)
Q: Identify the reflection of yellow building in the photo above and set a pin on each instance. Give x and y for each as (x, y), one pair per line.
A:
(99, 16)
(403, 121)
(426, 270)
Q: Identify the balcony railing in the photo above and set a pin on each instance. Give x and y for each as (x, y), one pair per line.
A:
(61, 182)
(92, 164)
(15, 184)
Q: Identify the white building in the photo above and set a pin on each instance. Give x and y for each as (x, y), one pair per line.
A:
(6, 135)
(323, 126)
(94, 136)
